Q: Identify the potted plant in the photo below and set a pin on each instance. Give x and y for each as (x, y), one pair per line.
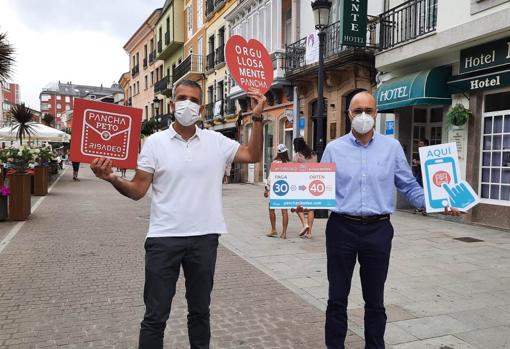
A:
(20, 161)
(43, 156)
(458, 115)
(4, 193)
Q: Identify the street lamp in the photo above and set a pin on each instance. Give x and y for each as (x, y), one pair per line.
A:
(321, 9)
(156, 111)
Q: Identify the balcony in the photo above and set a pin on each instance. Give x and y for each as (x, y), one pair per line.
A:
(135, 70)
(191, 68)
(130, 101)
(209, 111)
(220, 55)
(406, 22)
(230, 107)
(164, 86)
(151, 57)
(212, 6)
(172, 43)
(335, 54)
(210, 62)
(145, 62)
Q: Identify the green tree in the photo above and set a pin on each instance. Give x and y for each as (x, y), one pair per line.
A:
(6, 57)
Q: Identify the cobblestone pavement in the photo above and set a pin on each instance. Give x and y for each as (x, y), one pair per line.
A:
(72, 277)
(441, 292)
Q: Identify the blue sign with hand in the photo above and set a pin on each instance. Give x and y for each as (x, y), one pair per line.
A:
(461, 195)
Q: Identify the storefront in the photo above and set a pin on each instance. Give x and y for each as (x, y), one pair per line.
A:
(413, 108)
(483, 83)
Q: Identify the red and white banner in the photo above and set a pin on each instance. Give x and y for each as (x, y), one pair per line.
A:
(249, 63)
(105, 130)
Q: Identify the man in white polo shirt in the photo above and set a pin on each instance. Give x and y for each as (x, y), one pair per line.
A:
(185, 166)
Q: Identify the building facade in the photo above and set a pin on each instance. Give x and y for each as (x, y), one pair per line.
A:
(265, 21)
(144, 66)
(9, 95)
(436, 54)
(169, 33)
(58, 98)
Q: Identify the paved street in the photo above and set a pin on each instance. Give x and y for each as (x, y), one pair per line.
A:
(72, 277)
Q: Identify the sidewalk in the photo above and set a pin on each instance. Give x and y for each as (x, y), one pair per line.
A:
(440, 293)
(72, 277)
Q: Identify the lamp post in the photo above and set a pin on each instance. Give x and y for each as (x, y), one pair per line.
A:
(156, 112)
(321, 9)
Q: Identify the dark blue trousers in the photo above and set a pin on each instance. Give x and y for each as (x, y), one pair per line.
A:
(371, 245)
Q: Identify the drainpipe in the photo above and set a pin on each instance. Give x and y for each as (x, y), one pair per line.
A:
(295, 110)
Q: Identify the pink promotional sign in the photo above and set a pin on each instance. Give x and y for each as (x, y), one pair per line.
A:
(249, 63)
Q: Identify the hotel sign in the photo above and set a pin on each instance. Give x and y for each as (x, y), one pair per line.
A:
(354, 22)
(481, 82)
(490, 55)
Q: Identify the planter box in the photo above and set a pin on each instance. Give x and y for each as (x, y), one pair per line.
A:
(40, 181)
(19, 200)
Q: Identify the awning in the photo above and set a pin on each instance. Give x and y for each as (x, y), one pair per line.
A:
(427, 87)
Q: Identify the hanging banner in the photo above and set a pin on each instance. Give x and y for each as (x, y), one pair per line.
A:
(442, 182)
(310, 185)
(105, 130)
(354, 22)
(312, 48)
(249, 63)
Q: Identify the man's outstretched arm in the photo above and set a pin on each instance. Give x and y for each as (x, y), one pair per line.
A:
(134, 189)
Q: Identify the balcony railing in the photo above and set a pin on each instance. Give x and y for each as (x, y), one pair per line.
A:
(135, 70)
(230, 106)
(151, 57)
(145, 62)
(209, 7)
(163, 85)
(406, 22)
(160, 46)
(220, 54)
(295, 53)
(210, 61)
(130, 101)
(192, 64)
(167, 38)
(209, 111)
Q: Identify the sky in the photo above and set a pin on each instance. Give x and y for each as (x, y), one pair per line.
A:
(70, 40)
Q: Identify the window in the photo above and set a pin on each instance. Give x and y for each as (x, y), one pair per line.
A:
(59, 98)
(45, 98)
(190, 21)
(68, 107)
(146, 116)
(152, 78)
(68, 99)
(146, 83)
(200, 13)
(59, 106)
(495, 152)
(138, 87)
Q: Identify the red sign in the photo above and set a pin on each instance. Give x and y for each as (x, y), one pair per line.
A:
(249, 63)
(105, 130)
(441, 177)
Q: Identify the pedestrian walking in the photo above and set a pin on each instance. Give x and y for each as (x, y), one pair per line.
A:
(76, 169)
(282, 156)
(368, 167)
(304, 154)
(185, 166)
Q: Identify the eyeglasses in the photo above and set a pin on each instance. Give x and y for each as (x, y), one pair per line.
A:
(358, 111)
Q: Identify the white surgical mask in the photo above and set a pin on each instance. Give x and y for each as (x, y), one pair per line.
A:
(186, 112)
(362, 123)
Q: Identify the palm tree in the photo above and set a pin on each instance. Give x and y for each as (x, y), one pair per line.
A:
(23, 116)
(48, 119)
(6, 57)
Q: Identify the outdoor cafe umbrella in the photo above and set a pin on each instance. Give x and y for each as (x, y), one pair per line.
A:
(38, 132)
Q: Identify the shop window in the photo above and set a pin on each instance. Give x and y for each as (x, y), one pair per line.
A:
(497, 101)
(495, 159)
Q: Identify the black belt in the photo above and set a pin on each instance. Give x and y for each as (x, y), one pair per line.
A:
(363, 219)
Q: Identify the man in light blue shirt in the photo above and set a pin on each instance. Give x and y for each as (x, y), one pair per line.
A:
(368, 168)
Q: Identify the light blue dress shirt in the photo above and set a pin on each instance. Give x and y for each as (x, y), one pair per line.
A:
(366, 175)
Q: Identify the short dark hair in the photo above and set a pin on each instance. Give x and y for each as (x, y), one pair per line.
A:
(189, 83)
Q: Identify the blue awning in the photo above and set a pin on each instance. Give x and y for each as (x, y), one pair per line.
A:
(427, 87)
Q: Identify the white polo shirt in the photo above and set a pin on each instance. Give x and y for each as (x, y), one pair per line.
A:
(187, 181)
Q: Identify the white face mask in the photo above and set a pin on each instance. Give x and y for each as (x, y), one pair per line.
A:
(186, 112)
(362, 123)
